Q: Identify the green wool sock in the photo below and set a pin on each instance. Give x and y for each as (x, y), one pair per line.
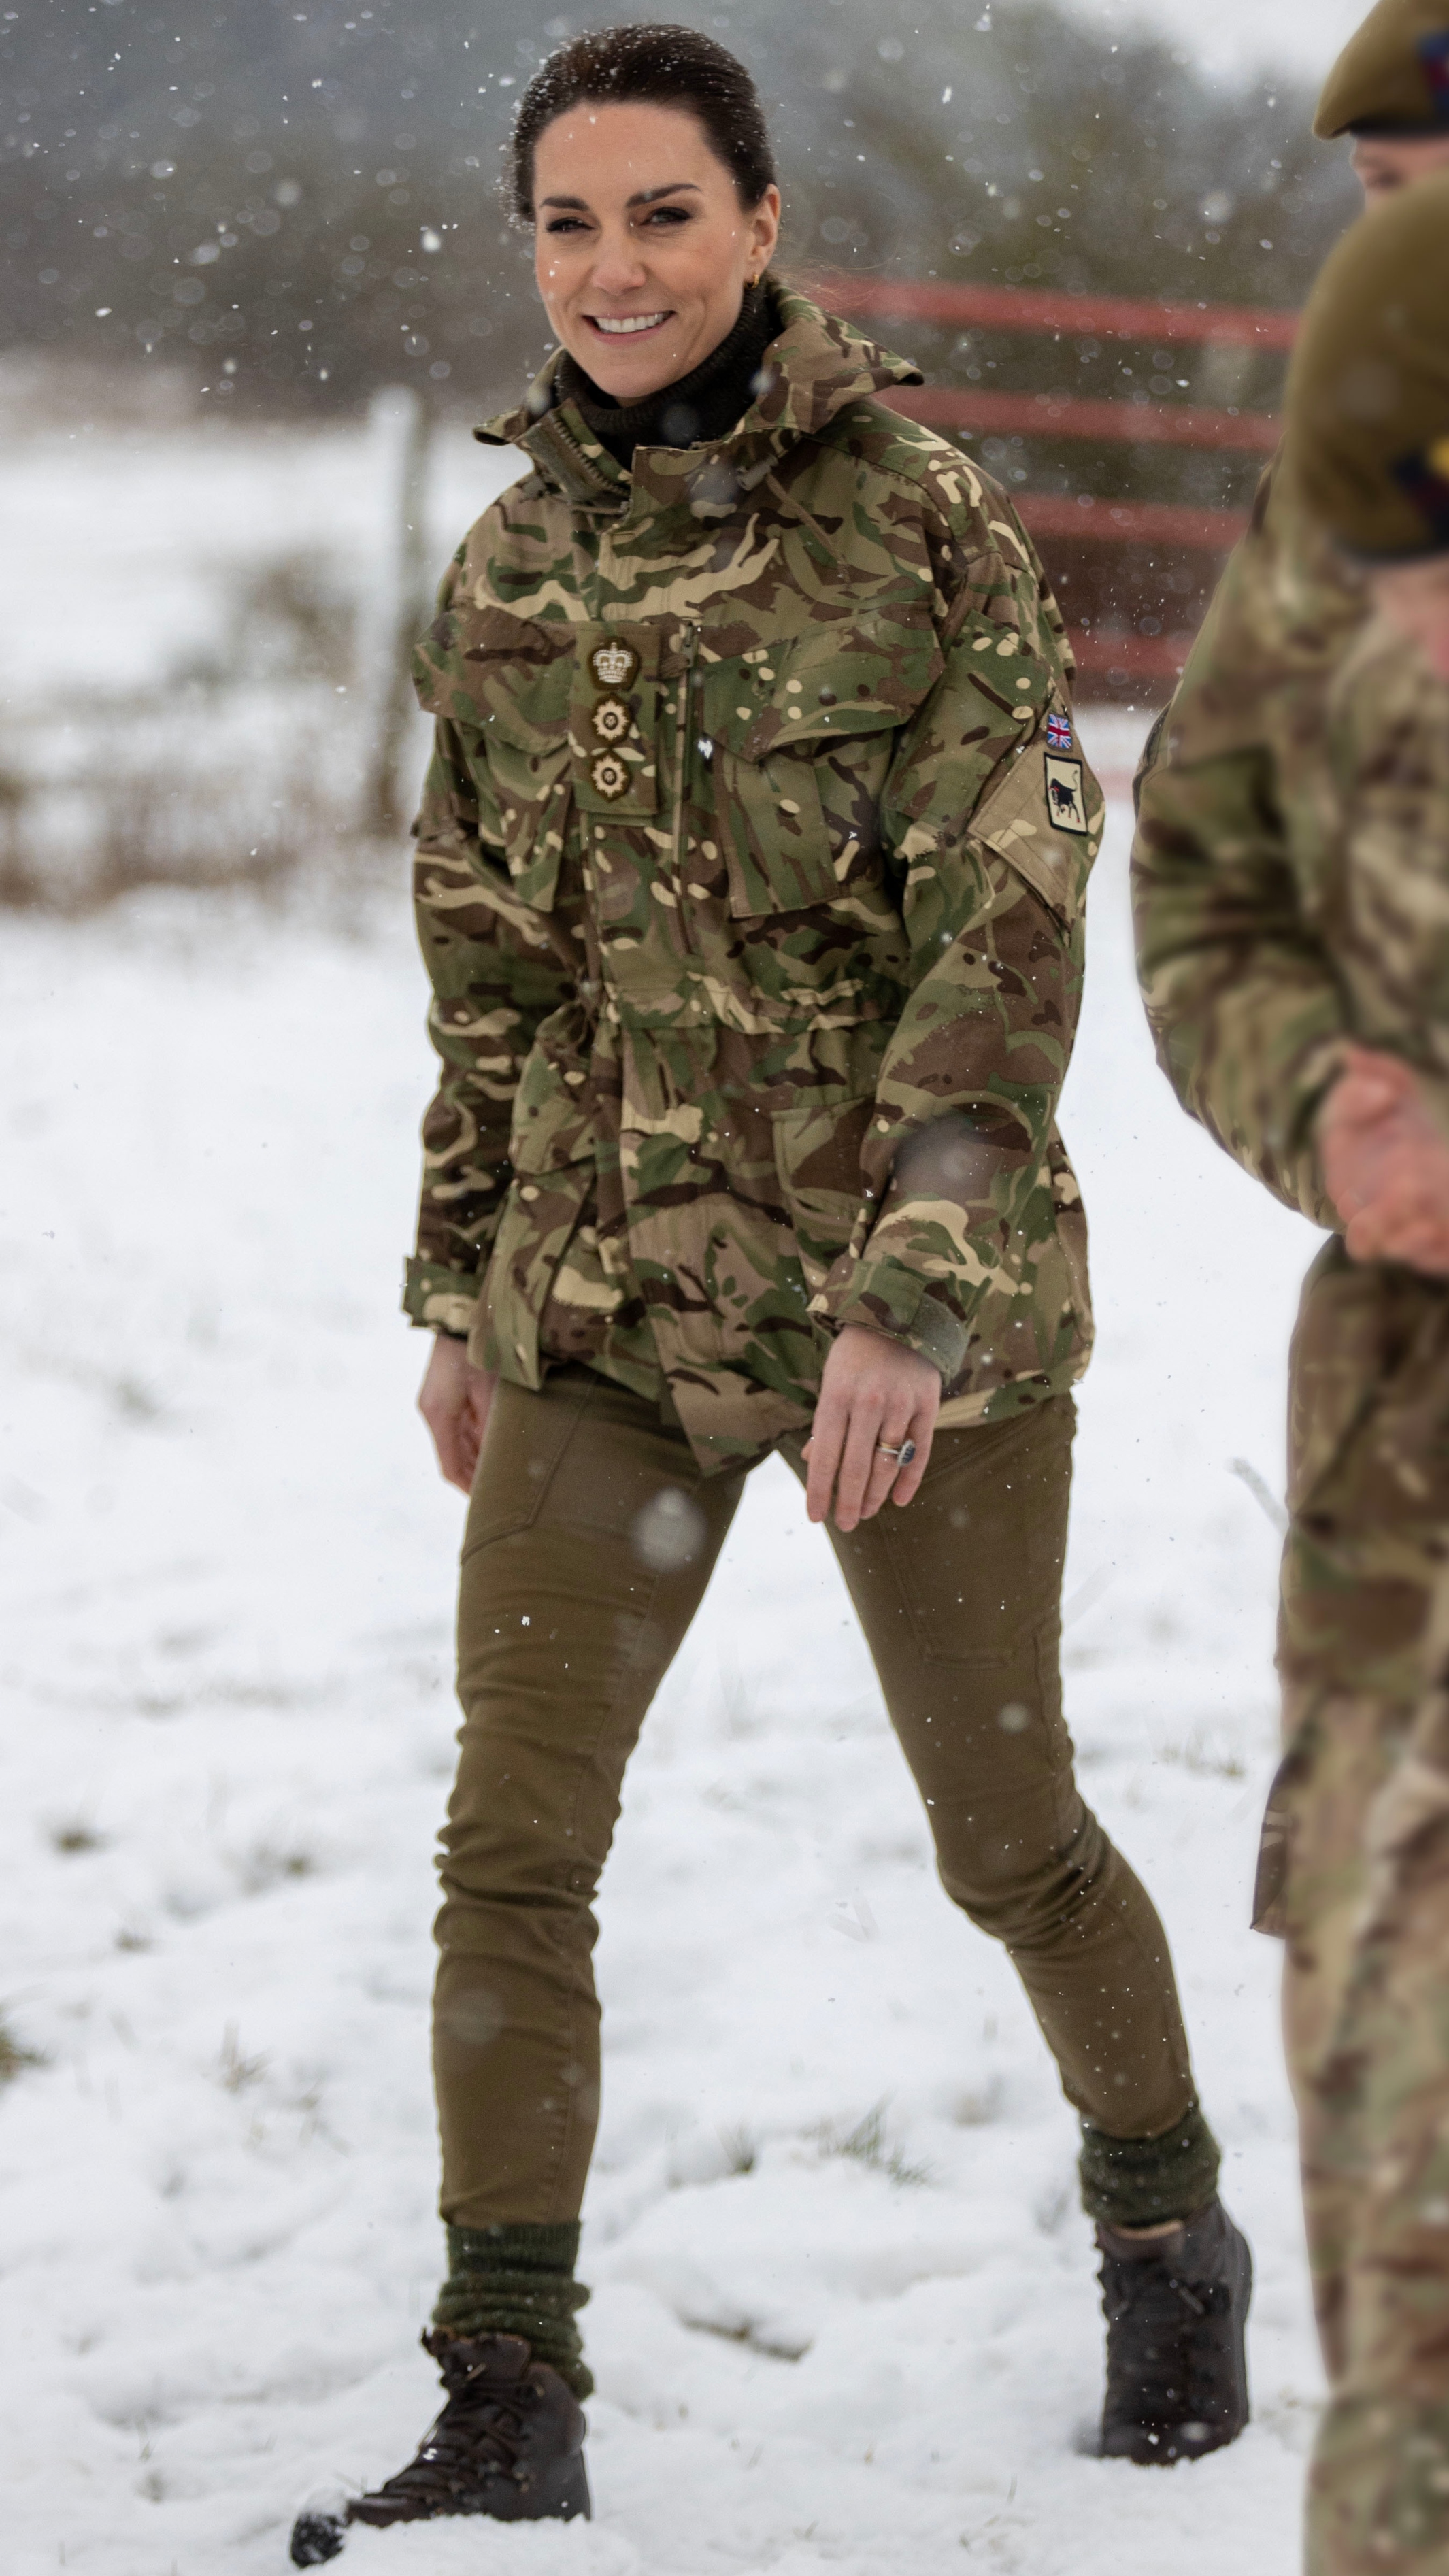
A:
(1142, 2182)
(519, 2281)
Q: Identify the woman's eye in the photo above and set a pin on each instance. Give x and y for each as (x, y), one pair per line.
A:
(668, 216)
(564, 224)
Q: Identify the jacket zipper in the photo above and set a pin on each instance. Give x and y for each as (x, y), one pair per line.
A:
(681, 780)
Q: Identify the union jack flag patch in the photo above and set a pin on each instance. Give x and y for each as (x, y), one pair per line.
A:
(1058, 734)
(1434, 55)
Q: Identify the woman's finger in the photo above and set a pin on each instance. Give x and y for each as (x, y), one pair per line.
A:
(826, 1437)
(884, 1475)
(908, 1482)
(859, 1460)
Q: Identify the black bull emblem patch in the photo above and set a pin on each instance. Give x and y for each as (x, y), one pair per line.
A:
(1064, 794)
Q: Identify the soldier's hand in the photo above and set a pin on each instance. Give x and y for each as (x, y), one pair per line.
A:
(453, 1400)
(1386, 1164)
(874, 1391)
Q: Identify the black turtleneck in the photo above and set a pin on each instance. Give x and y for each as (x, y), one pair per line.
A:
(702, 405)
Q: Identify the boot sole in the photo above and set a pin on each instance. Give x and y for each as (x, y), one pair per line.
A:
(318, 2537)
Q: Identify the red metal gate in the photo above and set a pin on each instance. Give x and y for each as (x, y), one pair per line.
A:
(1113, 658)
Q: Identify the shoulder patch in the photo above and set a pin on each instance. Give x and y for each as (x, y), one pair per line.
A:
(1065, 800)
(1019, 819)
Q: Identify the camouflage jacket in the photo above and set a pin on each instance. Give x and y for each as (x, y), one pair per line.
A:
(750, 875)
(1250, 802)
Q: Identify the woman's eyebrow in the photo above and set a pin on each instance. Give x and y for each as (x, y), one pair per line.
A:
(648, 196)
(642, 197)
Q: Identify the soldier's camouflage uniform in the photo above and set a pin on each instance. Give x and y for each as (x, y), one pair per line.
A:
(1292, 888)
(750, 880)
(754, 919)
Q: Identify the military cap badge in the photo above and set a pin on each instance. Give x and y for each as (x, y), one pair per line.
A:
(614, 665)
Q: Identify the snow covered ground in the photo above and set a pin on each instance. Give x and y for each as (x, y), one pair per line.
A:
(844, 2314)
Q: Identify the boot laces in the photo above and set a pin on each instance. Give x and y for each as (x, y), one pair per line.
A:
(478, 2435)
(1152, 2314)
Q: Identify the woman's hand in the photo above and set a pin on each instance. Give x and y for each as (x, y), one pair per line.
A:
(453, 1400)
(1386, 1164)
(874, 1393)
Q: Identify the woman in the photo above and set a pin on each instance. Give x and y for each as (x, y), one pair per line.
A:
(750, 876)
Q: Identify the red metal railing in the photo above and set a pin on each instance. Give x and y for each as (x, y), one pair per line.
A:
(1144, 423)
(1058, 517)
(1153, 523)
(1046, 308)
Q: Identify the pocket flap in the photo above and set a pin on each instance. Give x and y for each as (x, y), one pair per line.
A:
(506, 675)
(552, 1111)
(865, 674)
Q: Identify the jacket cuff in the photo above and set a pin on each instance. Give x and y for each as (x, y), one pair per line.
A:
(885, 1297)
(1316, 1078)
(442, 1300)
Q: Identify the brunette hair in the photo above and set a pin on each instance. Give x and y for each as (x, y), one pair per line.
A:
(665, 66)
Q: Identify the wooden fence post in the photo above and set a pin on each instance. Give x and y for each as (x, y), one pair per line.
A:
(401, 428)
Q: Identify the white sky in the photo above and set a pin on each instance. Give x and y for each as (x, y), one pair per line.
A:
(1237, 35)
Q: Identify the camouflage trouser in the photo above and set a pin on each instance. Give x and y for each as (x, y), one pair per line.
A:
(1356, 1876)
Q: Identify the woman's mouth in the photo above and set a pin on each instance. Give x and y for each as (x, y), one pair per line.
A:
(625, 326)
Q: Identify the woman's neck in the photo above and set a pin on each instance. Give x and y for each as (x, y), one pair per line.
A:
(701, 405)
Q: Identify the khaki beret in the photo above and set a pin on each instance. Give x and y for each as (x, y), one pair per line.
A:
(1367, 408)
(1392, 77)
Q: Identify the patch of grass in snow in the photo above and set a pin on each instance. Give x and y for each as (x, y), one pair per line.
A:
(235, 2072)
(76, 1836)
(1204, 1759)
(269, 1864)
(741, 2150)
(868, 2144)
(14, 2057)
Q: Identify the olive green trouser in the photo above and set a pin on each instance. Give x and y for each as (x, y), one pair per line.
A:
(590, 1540)
(1357, 1867)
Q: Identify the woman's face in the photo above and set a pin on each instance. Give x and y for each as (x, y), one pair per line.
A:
(642, 248)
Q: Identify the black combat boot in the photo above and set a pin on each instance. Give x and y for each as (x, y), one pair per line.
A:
(1176, 2307)
(508, 2443)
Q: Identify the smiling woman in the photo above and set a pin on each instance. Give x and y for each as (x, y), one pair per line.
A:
(644, 276)
(750, 880)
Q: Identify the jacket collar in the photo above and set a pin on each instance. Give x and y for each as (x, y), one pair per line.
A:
(815, 367)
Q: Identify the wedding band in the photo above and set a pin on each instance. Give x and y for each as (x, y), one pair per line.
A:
(902, 1456)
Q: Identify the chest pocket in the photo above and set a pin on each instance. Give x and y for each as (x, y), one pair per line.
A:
(801, 738)
(506, 682)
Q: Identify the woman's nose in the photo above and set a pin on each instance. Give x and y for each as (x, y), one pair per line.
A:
(618, 268)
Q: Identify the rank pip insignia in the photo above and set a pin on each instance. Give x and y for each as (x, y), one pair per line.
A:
(611, 719)
(609, 774)
(1064, 794)
(614, 665)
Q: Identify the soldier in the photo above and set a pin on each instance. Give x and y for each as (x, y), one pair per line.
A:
(1295, 957)
(750, 879)
(1285, 609)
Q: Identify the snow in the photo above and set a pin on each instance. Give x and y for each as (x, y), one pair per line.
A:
(844, 2314)
(144, 528)
(1237, 38)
